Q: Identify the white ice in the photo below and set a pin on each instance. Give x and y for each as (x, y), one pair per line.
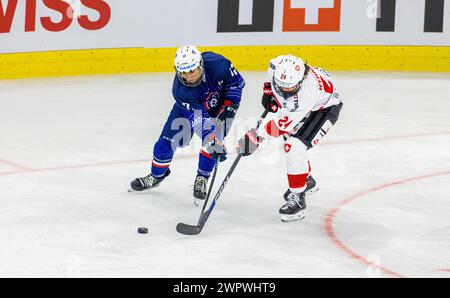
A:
(69, 148)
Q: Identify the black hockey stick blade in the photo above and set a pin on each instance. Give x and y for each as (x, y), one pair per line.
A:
(186, 229)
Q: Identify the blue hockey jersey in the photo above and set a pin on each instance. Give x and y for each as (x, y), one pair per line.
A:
(220, 82)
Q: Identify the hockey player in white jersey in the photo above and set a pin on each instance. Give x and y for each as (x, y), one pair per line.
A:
(306, 104)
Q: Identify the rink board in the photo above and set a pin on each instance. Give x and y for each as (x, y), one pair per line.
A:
(249, 58)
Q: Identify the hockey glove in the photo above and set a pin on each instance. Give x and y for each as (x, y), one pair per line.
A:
(226, 115)
(267, 100)
(249, 143)
(227, 111)
(217, 150)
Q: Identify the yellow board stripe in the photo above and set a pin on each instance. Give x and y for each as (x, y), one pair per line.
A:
(249, 58)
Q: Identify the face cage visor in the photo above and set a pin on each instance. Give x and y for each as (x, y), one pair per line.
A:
(279, 89)
(185, 82)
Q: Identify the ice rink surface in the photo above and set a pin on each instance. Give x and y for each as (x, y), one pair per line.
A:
(69, 148)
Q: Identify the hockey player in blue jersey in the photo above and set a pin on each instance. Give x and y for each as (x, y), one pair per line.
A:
(207, 90)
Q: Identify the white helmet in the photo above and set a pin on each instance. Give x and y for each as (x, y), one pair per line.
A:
(289, 73)
(188, 58)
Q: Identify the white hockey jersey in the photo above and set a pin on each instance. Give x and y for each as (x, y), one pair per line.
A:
(318, 91)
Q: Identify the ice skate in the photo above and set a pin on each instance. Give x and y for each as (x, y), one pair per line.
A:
(293, 209)
(200, 189)
(146, 183)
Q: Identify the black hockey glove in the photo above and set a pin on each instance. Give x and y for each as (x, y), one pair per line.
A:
(227, 111)
(249, 143)
(226, 116)
(267, 100)
(217, 150)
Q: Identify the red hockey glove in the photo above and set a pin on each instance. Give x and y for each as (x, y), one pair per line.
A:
(249, 143)
(268, 100)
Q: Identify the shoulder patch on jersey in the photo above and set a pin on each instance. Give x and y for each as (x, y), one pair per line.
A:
(287, 147)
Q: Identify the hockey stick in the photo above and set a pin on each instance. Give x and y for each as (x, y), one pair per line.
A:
(196, 229)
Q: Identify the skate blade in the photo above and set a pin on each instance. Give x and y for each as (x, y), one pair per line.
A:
(198, 198)
(311, 191)
(292, 217)
(130, 190)
(198, 202)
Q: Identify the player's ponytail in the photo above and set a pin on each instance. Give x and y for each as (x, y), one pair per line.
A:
(307, 69)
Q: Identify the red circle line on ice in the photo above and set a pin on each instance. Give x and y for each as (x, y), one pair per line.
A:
(444, 270)
(329, 220)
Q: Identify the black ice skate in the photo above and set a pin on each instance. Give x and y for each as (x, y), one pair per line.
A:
(200, 187)
(293, 209)
(147, 182)
(311, 187)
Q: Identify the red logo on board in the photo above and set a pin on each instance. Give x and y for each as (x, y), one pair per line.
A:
(312, 15)
(65, 10)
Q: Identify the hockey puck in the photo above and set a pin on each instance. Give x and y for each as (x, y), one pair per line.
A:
(142, 230)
